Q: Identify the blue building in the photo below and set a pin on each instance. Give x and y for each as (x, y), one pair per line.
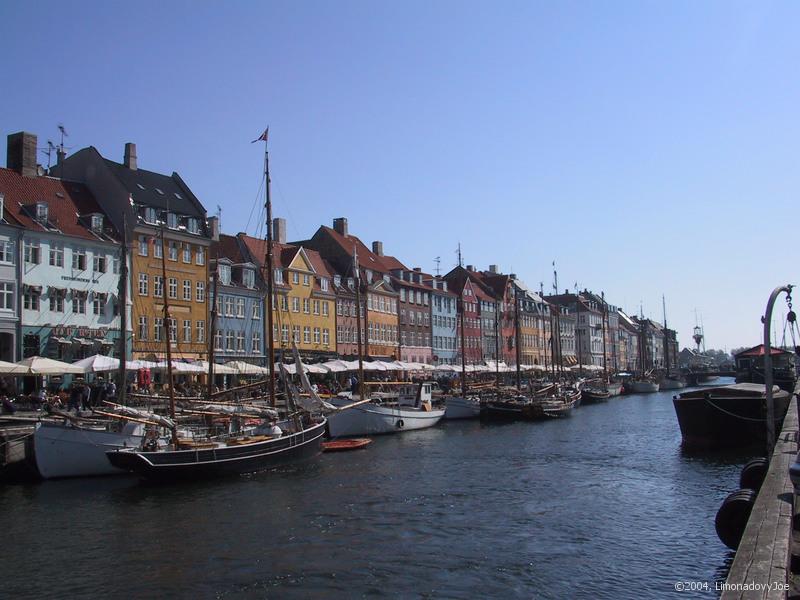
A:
(444, 321)
(239, 326)
(69, 264)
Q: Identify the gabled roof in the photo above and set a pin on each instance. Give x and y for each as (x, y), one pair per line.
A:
(228, 247)
(67, 201)
(759, 351)
(390, 263)
(367, 259)
(284, 254)
(144, 186)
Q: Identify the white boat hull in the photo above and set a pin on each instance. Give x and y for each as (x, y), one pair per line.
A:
(373, 419)
(671, 384)
(67, 451)
(643, 387)
(462, 408)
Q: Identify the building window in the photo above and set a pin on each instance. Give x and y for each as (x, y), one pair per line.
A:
(306, 335)
(306, 305)
(31, 252)
(296, 305)
(172, 220)
(296, 334)
(295, 277)
(143, 284)
(150, 215)
(240, 308)
(158, 328)
(142, 328)
(218, 340)
(158, 249)
(187, 290)
(30, 298)
(256, 310)
(228, 306)
(187, 254)
(284, 304)
(306, 280)
(187, 330)
(316, 335)
(256, 342)
(324, 308)
(56, 255)
(7, 252)
(56, 300)
(99, 263)
(173, 330)
(98, 303)
(201, 332)
(79, 259)
(193, 225)
(200, 291)
(200, 256)
(225, 274)
(158, 286)
(326, 337)
(284, 333)
(249, 278)
(240, 341)
(78, 303)
(173, 288)
(229, 340)
(278, 276)
(316, 307)
(173, 251)
(323, 284)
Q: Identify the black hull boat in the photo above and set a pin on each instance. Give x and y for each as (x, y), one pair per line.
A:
(233, 458)
(592, 396)
(511, 410)
(727, 416)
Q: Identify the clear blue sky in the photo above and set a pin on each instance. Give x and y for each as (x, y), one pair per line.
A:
(646, 147)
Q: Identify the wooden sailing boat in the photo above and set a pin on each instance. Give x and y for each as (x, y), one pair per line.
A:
(300, 438)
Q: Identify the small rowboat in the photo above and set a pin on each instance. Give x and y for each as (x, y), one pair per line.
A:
(343, 445)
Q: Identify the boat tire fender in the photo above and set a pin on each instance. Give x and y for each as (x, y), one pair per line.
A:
(732, 517)
(399, 424)
(753, 474)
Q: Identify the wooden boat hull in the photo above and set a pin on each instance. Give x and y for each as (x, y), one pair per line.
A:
(498, 410)
(345, 445)
(68, 451)
(462, 408)
(728, 416)
(375, 419)
(174, 465)
(594, 396)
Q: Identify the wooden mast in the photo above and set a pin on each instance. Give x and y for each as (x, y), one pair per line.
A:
(517, 335)
(357, 277)
(269, 268)
(212, 325)
(123, 312)
(666, 341)
(497, 344)
(577, 329)
(167, 330)
(460, 307)
(603, 320)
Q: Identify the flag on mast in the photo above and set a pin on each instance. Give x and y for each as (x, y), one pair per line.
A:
(263, 137)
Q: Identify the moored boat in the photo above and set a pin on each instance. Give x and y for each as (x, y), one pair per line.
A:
(345, 445)
(727, 416)
(671, 383)
(460, 407)
(641, 386)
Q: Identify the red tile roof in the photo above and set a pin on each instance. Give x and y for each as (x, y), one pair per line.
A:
(66, 201)
(367, 259)
(283, 254)
(228, 247)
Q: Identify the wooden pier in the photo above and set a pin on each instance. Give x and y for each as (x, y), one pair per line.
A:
(762, 567)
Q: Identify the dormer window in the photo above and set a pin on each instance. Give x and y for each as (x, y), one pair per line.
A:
(323, 284)
(225, 274)
(172, 220)
(193, 225)
(41, 212)
(97, 223)
(248, 278)
(278, 276)
(368, 274)
(337, 280)
(150, 215)
(350, 282)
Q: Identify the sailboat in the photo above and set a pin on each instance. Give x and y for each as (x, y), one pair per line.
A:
(463, 406)
(407, 408)
(298, 436)
(670, 381)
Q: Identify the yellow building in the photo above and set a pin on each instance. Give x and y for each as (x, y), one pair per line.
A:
(305, 305)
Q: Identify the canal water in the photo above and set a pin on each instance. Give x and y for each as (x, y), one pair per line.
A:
(603, 504)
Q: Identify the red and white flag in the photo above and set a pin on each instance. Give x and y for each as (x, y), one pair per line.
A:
(263, 137)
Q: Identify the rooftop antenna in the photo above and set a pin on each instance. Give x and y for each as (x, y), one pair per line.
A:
(63, 135)
(541, 289)
(555, 278)
(460, 260)
(641, 309)
(49, 152)
(438, 261)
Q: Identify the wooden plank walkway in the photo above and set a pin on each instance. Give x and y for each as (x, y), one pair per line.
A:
(762, 565)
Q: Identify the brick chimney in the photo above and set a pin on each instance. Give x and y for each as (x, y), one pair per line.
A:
(279, 230)
(470, 268)
(21, 153)
(377, 248)
(213, 227)
(130, 156)
(340, 226)
(493, 269)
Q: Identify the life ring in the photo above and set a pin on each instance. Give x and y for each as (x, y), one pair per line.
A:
(399, 423)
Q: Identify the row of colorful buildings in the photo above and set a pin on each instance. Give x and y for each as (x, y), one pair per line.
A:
(61, 284)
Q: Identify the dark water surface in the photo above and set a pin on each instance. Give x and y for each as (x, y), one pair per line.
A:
(601, 505)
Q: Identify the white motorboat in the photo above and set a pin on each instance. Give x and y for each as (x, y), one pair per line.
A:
(75, 450)
(458, 407)
(404, 410)
(642, 386)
